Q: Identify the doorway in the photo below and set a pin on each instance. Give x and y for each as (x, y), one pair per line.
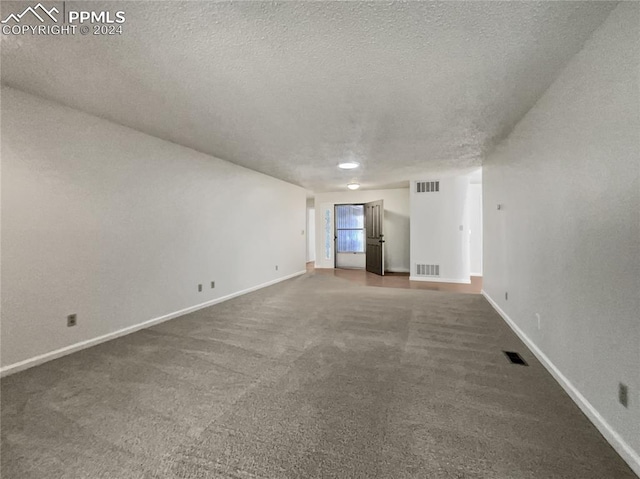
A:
(359, 238)
(350, 236)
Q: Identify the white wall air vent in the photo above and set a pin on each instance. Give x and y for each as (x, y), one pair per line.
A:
(427, 270)
(427, 186)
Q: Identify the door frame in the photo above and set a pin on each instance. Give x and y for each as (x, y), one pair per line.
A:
(335, 233)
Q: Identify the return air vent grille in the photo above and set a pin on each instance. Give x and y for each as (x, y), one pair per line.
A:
(515, 358)
(428, 269)
(427, 186)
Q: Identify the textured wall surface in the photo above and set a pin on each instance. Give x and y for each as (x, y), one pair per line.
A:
(566, 243)
(120, 227)
(440, 229)
(290, 88)
(474, 206)
(311, 234)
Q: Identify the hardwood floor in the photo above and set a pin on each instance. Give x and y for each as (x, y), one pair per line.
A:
(398, 280)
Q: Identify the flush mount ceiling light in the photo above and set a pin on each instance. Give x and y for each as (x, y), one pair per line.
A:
(348, 165)
(353, 186)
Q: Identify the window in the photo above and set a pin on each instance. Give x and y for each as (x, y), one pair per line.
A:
(350, 228)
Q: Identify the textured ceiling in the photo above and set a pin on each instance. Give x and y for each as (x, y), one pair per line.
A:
(291, 88)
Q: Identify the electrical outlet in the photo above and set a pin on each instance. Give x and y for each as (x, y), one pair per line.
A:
(72, 320)
(276, 267)
(506, 295)
(213, 284)
(623, 394)
(199, 288)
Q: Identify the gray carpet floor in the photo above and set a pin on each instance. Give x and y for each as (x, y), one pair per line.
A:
(315, 377)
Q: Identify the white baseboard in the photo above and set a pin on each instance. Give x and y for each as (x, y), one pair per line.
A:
(58, 353)
(439, 280)
(390, 270)
(630, 456)
(475, 274)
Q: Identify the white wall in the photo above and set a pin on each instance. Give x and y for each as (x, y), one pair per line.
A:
(474, 207)
(440, 229)
(566, 245)
(311, 233)
(396, 225)
(120, 227)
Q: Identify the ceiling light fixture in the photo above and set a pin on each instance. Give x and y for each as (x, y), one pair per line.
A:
(353, 186)
(348, 165)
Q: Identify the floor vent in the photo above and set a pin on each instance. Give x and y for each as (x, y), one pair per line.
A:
(427, 269)
(515, 358)
(427, 186)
